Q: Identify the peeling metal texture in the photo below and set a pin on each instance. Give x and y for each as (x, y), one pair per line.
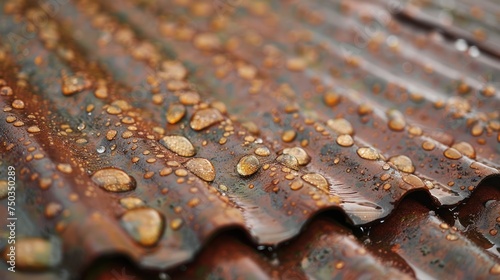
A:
(262, 139)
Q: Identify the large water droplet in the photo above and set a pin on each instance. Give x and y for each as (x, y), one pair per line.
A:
(345, 140)
(465, 149)
(248, 165)
(204, 118)
(341, 126)
(368, 153)
(300, 154)
(175, 113)
(403, 163)
(114, 180)
(452, 153)
(316, 180)
(202, 168)
(179, 145)
(144, 225)
(288, 161)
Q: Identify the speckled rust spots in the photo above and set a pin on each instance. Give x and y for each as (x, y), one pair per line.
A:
(204, 118)
(452, 153)
(465, 149)
(368, 153)
(144, 225)
(345, 140)
(18, 104)
(300, 154)
(341, 126)
(403, 163)
(288, 135)
(35, 254)
(317, 180)
(248, 165)
(179, 145)
(202, 168)
(114, 180)
(175, 113)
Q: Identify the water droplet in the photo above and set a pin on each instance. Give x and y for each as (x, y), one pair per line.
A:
(113, 110)
(65, 168)
(300, 154)
(413, 180)
(288, 161)
(247, 71)
(345, 140)
(100, 149)
(176, 223)
(10, 119)
(428, 145)
(202, 168)
(403, 163)
(189, 98)
(477, 129)
(488, 91)
(296, 64)
(331, 99)
(206, 41)
(452, 153)
(4, 189)
(179, 145)
(131, 202)
(262, 151)
(340, 126)
(368, 153)
(74, 84)
(415, 130)
(35, 253)
(144, 225)
(396, 120)
(18, 104)
(465, 149)
(175, 113)
(173, 70)
(33, 129)
(204, 118)
(288, 135)
(181, 172)
(114, 180)
(452, 237)
(111, 134)
(364, 109)
(81, 127)
(248, 165)
(296, 185)
(495, 269)
(52, 209)
(316, 180)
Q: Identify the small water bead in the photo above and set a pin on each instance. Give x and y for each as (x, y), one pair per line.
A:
(396, 120)
(10, 119)
(65, 168)
(368, 153)
(111, 134)
(113, 110)
(33, 129)
(413, 180)
(131, 202)
(172, 69)
(204, 118)
(144, 225)
(316, 180)
(100, 149)
(403, 163)
(296, 185)
(465, 149)
(300, 154)
(114, 180)
(341, 126)
(18, 104)
(452, 153)
(248, 165)
(262, 151)
(206, 41)
(331, 99)
(345, 140)
(288, 161)
(189, 98)
(176, 223)
(179, 145)
(428, 145)
(175, 113)
(74, 84)
(288, 135)
(202, 168)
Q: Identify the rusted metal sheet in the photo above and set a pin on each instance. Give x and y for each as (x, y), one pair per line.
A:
(144, 128)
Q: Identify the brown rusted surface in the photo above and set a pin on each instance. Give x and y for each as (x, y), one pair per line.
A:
(145, 128)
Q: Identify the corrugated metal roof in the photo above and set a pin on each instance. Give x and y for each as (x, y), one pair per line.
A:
(149, 128)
